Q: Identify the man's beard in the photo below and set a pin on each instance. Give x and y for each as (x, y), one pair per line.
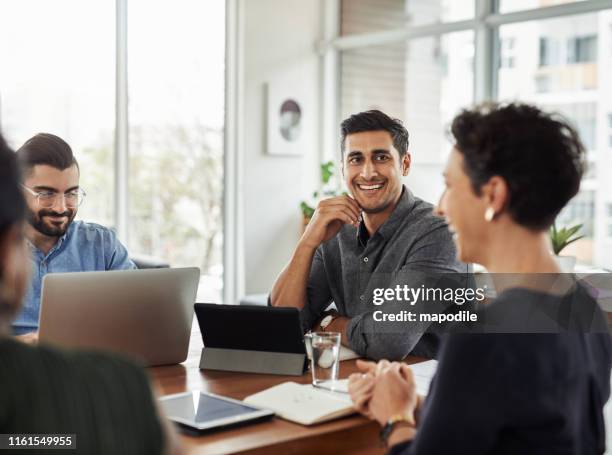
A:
(372, 210)
(37, 220)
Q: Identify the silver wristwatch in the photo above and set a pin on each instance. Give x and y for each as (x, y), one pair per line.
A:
(326, 321)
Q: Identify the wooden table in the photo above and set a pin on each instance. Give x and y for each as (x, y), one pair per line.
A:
(354, 434)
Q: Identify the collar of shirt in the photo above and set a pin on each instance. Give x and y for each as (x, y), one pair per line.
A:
(402, 209)
(60, 241)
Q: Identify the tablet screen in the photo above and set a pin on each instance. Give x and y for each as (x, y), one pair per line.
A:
(203, 410)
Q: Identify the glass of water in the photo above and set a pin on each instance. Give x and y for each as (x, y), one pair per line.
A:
(325, 359)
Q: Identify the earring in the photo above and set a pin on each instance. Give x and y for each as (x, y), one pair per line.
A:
(489, 214)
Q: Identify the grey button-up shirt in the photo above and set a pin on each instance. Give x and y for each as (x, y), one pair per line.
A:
(345, 269)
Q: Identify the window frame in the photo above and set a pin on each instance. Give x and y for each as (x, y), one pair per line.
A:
(485, 24)
(233, 279)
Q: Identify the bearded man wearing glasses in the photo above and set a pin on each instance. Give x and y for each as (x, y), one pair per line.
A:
(57, 242)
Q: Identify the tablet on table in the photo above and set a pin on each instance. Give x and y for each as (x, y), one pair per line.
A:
(206, 411)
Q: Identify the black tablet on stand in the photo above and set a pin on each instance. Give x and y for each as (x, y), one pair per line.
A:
(251, 339)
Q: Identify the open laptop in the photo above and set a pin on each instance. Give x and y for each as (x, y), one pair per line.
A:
(146, 314)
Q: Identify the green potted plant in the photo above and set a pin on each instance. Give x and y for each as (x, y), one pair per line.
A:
(560, 238)
(328, 188)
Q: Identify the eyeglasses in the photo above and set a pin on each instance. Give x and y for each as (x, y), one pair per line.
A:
(47, 199)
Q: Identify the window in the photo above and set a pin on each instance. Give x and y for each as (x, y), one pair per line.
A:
(542, 83)
(62, 79)
(64, 86)
(580, 210)
(374, 78)
(583, 116)
(582, 49)
(362, 16)
(549, 52)
(423, 12)
(507, 51)
(424, 82)
(570, 90)
(427, 73)
(176, 90)
(508, 6)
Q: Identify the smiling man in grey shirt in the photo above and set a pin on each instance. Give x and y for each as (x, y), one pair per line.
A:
(368, 239)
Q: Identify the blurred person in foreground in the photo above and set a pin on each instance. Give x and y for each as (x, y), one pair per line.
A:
(511, 171)
(105, 400)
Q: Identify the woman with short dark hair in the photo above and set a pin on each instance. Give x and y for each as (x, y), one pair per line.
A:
(104, 401)
(512, 170)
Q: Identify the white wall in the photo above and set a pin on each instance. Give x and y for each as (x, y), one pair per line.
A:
(279, 36)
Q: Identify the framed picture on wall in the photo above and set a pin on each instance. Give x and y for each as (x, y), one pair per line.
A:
(286, 110)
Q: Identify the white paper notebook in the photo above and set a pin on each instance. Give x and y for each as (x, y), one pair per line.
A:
(423, 374)
(302, 403)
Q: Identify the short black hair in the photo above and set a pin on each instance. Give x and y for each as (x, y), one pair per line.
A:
(47, 149)
(375, 120)
(539, 155)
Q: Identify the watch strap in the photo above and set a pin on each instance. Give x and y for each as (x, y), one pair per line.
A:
(394, 422)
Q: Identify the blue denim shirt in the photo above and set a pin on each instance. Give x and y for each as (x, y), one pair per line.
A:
(85, 247)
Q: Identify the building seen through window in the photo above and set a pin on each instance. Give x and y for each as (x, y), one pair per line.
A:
(561, 64)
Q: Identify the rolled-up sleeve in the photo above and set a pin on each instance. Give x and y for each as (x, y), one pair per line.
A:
(318, 293)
